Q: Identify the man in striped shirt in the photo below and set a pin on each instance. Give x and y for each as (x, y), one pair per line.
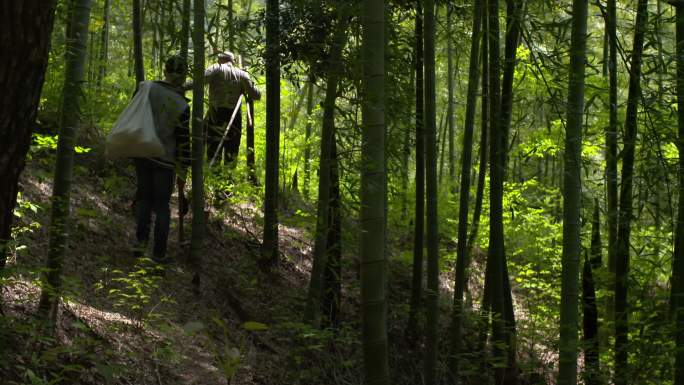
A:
(226, 84)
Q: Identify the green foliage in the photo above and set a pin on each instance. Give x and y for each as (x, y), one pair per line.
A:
(532, 202)
(23, 228)
(133, 292)
(321, 356)
(49, 143)
(43, 360)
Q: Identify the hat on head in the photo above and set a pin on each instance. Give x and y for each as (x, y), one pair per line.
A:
(226, 55)
(176, 65)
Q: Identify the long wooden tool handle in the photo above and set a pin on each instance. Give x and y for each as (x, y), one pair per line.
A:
(230, 123)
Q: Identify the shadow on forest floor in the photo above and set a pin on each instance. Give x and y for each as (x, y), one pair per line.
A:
(156, 330)
(122, 324)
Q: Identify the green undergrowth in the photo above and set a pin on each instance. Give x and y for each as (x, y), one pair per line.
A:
(125, 321)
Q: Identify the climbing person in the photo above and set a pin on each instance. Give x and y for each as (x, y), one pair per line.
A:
(155, 175)
(227, 85)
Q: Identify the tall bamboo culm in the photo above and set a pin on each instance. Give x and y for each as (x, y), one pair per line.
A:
(432, 288)
(61, 194)
(572, 194)
(270, 245)
(373, 198)
(198, 216)
(462, 258)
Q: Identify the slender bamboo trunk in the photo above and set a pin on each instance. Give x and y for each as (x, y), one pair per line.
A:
(419, 222)
(312, 311)
(162, 36)
(514, 10)
(405, 158)
(590, 340)
(572, 198)
(270, 243)
(64, 164)
(462, 258)
(250, 144)
(496, 236)
(514, 15)
(104, 43)
(198, 215)
(451, 111)
(611, 154)
(441, 144)
(625, 210)
(137, 44)
(307, 138)
(296, 108)
(432, 292)
(68, 28)
(90, 78)
(231, 26)
(373, 198)
(484, 134)
(332, 289)
(678, 260)
(185, 29)
(218, 36)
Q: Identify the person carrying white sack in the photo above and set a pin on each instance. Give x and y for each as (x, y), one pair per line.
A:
(155, 175)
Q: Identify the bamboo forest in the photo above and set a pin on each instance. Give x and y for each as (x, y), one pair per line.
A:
(339, 192)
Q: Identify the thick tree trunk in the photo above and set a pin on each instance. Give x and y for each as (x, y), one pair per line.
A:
(61, 194)
(270, 245)
(373, 198)
(198, 216)
(462, 260)
(312, 311)
(419, 222)
(572, 198)
(622, 375)
(25, 29)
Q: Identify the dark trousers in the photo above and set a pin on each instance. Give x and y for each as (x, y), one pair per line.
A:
(217, 120)
(155, 185)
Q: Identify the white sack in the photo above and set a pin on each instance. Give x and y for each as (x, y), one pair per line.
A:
(134, 133)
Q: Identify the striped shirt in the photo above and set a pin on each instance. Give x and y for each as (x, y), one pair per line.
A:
(227, 83)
